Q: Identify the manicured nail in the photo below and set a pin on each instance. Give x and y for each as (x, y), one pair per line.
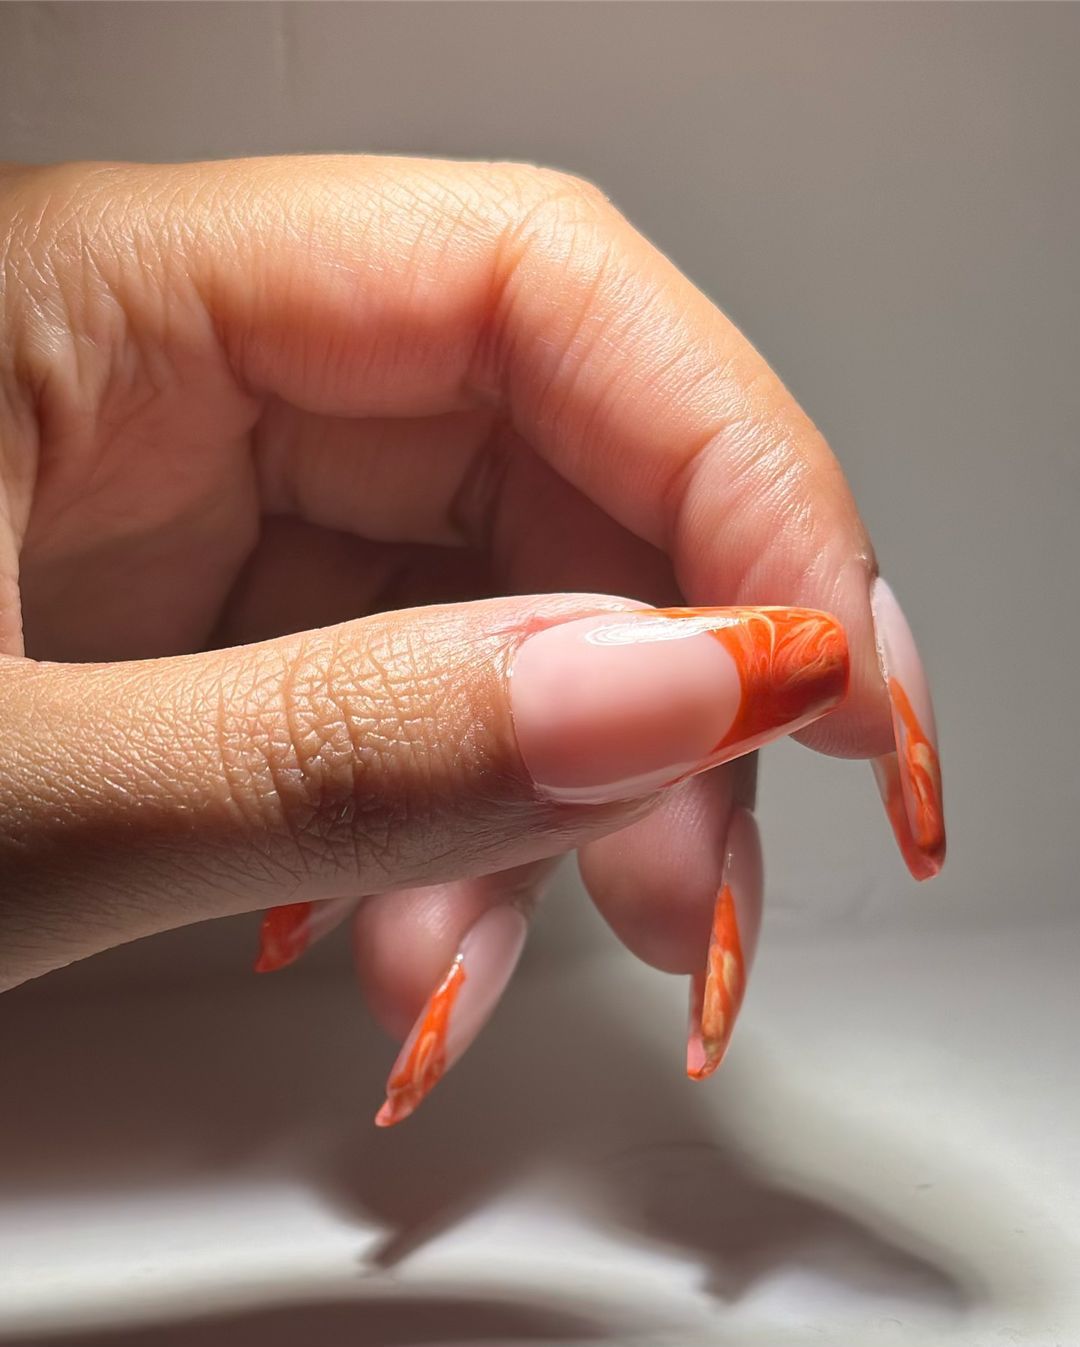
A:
(910, 778)
(456, 1011)
(716, 993)
(287, 931)
(615, 706)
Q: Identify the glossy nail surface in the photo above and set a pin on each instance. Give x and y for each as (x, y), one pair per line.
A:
(615, 706)
(910, 778)
(456, 1011)
(716, 993)
(290, 929)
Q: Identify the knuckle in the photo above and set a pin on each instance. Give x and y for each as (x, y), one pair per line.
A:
(559, 235)
(286, 751)
(86, 272)
(344, 751)
(552, 207)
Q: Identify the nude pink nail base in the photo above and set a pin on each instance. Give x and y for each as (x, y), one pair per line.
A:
(618, 705)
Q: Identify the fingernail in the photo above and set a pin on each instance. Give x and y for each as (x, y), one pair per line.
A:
(615, 706)
(456, 1011)
(910, 778)
(716, 993)
(287, 931)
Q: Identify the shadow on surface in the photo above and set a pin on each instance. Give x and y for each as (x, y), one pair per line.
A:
(366, 1323)
(244, 1081)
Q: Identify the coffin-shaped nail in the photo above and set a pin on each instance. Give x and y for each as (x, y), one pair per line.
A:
(717, 991)
(618, 705)
(287, 931)
(910, 778)
(456, 1011)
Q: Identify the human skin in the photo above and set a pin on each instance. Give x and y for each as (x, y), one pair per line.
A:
(243, 402)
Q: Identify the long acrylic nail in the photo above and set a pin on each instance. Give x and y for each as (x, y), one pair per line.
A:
(290, 929)
(618, 705)
(910, 778)
(716, 993)
(456, 1011)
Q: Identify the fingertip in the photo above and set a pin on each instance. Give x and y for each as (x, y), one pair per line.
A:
(861, 726)
(655, 882)
(403, 942)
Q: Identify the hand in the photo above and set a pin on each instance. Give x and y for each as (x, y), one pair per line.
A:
(245, 399)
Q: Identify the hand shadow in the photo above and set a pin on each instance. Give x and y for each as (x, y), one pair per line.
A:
(278, 1079)
(391, 1322)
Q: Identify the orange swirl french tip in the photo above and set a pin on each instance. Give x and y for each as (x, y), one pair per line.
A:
(456, 1010)
(716, 993)
(793, 667)
(621, 704)
(283, 936)
(290, 930)
(423, 1062)
(910, 778)
(718, 989)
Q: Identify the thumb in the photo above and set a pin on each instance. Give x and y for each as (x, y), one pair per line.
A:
(405, 749)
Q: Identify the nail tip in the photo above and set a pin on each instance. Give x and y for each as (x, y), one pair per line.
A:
(929, 867)
(283, 936)
(704, 1071)
(273, 959)
(924, 859)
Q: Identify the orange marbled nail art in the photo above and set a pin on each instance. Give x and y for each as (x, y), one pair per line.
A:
(456, 1011)
(910, 778)
(290, 929)
(716, 993)
(283, 936)
(422, 1065)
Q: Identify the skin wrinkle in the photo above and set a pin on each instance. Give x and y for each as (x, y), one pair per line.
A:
(752, 485)
(486, 374)
(399, 762)
(561, 387)
(256, 780)
(244, 754)
(616, 288)
(338, 755)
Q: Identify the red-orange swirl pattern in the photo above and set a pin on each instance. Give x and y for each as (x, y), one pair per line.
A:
(792, 663)
(283, 937)
(426, 1060)
(719, 991)
(921, 767)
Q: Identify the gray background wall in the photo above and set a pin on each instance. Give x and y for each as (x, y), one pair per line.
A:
(885, 197)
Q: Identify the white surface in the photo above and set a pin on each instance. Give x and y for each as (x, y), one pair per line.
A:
(889, 1156)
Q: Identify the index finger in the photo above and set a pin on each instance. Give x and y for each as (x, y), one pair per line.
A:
(374, 286)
